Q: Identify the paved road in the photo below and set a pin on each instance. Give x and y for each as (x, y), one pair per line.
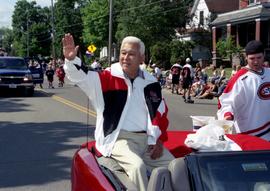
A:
(39, 135)
(180, 112)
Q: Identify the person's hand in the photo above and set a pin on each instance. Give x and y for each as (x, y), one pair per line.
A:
(69, 49)
(155, 150)
(228, 117)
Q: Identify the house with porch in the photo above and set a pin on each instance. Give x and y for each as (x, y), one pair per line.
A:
(251, 21)
(198, 26)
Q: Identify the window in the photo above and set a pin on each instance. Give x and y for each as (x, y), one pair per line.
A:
(15, 63)
(226, 171)
(201, 19)
(251, 1)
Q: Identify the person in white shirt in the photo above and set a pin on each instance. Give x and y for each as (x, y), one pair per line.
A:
(143, 66)
(246, 99)
(96, 66)
(187, 80)
(156, 72)
(131, 112)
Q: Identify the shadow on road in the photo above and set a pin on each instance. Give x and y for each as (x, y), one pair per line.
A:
(18, 94)
(38, 153)
(17, 104)
(14, 105)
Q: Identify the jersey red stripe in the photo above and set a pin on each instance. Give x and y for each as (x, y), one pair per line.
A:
(232, 81)
(258, 129)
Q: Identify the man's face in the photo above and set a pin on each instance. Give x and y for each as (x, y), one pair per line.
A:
(255, 61)
(130, 59)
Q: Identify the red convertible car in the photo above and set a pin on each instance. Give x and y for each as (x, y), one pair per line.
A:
(246, 170)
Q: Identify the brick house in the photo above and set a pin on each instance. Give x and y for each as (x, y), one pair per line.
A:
(251, 21)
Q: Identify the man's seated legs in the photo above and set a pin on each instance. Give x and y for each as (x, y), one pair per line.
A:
(130, 151)
(127, 151)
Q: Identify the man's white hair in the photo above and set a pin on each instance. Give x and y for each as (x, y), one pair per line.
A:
(133, 39)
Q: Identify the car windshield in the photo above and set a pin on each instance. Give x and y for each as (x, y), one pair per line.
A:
(18, 64)
(236, 172)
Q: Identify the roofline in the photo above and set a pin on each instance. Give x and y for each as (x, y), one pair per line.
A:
(194, 7)
(241, 10)
(239, 20)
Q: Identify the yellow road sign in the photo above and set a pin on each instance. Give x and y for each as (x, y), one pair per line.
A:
(91, 48)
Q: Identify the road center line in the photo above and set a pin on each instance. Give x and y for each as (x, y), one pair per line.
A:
(72, 104)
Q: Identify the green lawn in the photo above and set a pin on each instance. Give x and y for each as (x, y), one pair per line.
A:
(228, 72)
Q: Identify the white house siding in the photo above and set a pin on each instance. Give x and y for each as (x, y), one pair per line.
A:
(184, 37)
(103, 52)
(195, 21)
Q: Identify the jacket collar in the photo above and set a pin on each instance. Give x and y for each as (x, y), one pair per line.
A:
(256, 72)
(116, 70)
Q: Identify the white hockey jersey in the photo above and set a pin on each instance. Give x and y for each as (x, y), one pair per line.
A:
(247, 99)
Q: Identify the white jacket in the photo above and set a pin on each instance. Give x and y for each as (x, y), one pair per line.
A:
(109, 93)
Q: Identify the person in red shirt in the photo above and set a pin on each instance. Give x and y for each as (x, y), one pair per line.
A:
(60, 72)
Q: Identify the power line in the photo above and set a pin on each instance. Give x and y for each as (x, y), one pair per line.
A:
(163, 11)
(144, 5)
(102, 16)
(124, 10)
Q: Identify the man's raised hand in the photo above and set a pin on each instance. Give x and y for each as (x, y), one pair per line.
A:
(69, 49)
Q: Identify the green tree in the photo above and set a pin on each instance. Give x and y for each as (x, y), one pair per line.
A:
(31, 33)
(167, 53)
(151, 20)
(67, 19)
(95, 18)
(160, 54)
(180, 50)
(226, 48)
(7, 37)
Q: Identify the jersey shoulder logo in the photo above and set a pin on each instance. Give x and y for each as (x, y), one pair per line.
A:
(264, 91)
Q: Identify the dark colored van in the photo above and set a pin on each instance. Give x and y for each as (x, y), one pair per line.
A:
(15, 74)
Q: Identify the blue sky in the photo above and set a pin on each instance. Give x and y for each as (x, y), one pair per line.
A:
(7, 7)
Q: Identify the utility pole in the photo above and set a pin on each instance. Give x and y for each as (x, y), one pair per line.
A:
(110, 33)
(53, 29)
(27, 34)
(1, 37)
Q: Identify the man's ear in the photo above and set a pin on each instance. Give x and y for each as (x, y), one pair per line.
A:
(142, 58)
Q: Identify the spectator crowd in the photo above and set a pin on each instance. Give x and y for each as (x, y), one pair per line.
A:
(198, 82)
(48, 69)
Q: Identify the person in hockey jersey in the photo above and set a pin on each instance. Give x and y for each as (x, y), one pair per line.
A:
(246, 99)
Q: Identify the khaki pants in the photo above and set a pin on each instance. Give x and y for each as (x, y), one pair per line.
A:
(130, 152)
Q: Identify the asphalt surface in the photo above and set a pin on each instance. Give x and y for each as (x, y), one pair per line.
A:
(180, 112)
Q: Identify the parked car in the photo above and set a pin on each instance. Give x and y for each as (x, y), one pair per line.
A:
(15, 74)
(248, 169)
